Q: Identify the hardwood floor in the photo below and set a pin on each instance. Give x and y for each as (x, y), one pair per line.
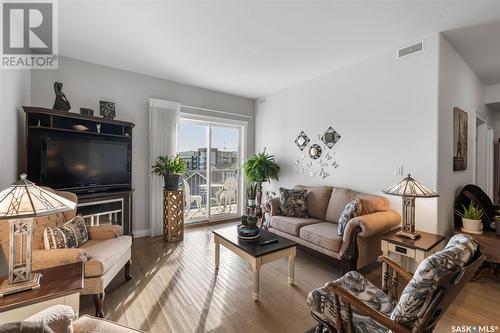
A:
(176, 289)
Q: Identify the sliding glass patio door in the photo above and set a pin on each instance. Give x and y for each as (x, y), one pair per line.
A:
(212, 185)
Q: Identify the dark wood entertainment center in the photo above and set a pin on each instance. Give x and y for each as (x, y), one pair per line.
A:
(98, 204)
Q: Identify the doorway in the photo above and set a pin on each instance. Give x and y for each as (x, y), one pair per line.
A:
(213, 153)
(484, 156)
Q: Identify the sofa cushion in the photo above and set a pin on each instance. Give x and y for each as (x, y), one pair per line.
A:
(317, 200)
(104, 254)
(351, 210)
(293, 202)
(70, 235)
(372, 203)
(322, 303)
(323, 234)
(460, 249)
(342, 196)
(291, 225)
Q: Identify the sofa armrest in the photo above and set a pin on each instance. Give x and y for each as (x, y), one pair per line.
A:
(56, 257)
(273, 206)
(370, 225)
(102, 232)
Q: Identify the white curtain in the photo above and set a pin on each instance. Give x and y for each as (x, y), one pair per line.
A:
(163, 123)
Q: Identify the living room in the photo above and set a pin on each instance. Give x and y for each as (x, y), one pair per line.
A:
(250, 166)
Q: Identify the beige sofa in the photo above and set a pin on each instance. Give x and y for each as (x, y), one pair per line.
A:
(105, 253)
(360, 244)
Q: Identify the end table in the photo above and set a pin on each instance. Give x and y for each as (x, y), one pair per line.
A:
(414, 249)
(59, 285)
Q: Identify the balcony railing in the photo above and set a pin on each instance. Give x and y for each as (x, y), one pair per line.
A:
(223, 196)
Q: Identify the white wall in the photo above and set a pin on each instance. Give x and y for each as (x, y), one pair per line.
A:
(385, 110)
(14, 92)
(86, 83)
(458, 86)
(492, 94)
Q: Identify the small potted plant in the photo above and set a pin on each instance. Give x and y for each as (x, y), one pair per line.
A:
(170, 168)
(471, 218)
(251, 192)
(248, 229)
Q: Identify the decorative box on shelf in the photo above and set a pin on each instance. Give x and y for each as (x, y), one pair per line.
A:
(173, 215)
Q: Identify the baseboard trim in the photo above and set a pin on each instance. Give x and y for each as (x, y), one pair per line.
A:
(141, 233)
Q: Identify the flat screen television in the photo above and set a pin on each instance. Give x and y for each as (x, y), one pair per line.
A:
(80, 165)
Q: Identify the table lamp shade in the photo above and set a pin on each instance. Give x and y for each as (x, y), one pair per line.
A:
(19, 203)
(24, 199)
(409, 189)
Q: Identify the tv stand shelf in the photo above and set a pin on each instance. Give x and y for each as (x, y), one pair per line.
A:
(48, 119)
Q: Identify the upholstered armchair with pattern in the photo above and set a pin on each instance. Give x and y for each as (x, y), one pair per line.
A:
(354, 304)
(105, 253)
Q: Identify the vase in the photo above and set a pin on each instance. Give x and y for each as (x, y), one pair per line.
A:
(251, 202)
(472, 225)
(171, 182)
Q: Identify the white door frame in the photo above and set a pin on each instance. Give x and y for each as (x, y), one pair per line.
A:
(242, 146)
(490, 153)
(485, 137)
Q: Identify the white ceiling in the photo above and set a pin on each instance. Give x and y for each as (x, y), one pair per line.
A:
(479, 46)
(252, 48)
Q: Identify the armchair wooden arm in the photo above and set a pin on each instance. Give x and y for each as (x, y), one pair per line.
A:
(396, 267)
(390, 266)
(340, 294)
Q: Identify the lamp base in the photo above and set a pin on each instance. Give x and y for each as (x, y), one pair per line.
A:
(411, 235)
(6, 288)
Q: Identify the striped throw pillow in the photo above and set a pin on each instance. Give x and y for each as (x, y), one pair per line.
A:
(71, 234)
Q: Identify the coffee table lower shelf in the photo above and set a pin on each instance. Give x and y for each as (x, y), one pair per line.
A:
(256, 258)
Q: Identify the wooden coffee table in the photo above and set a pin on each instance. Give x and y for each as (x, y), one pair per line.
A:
(253, 253)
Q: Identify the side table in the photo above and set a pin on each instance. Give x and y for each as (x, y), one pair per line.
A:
(173, 215)
(410, 249)
(490, 246)
(59, 285)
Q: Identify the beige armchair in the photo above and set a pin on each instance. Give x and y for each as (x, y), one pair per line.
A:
(105, 253)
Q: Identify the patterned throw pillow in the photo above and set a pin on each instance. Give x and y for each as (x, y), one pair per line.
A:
(71, 234)
(293, 202)
(351, 210)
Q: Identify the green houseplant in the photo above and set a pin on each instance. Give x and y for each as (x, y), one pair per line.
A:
(471, 217)
(258, 169)
(170, 168)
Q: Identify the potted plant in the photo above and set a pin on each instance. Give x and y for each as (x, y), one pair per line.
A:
(170, 168)
(471, 218)
(251, 192)
(258, 169)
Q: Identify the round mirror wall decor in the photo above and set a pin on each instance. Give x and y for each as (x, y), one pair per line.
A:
(315, 151)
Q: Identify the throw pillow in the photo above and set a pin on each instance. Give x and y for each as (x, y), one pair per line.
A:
(58, 317)
(71, 234)
(293, 202)
(351, 210)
